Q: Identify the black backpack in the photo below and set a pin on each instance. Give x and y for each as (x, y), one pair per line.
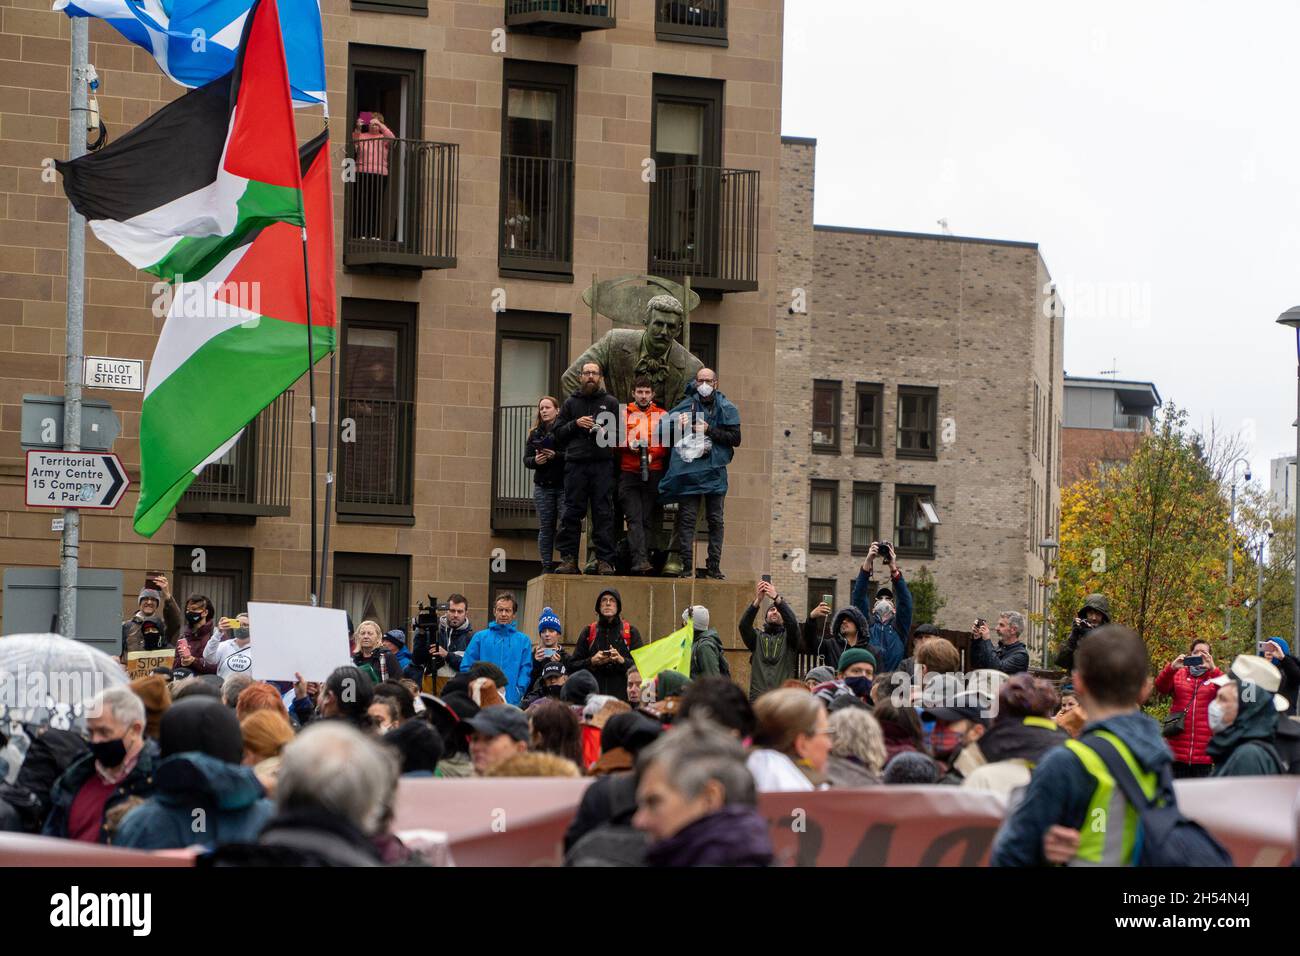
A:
(1168, 837)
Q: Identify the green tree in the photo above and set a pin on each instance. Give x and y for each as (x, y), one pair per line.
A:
(927, 602)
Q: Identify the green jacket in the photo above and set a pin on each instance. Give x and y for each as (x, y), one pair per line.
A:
(774, 658)
(707, 656)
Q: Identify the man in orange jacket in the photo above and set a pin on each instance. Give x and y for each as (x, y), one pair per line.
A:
(642, 460)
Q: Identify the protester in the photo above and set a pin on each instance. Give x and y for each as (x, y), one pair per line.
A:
(1010, 656)
(819, 675)
(577, 688)
(604, 647)
(371, 655)
(266, 732)
(50, 752)
(1021, 734)
(200, 620)
(395, 641)
(710, 426)
(1071, 716)
(204, 685)
(202, 796)
(549, 651)
(544, 458)
(119, 766)
(958, 727)
(555, 729)
(157, 621)
(401, 700)
(153, 693)
(642, 459)
(346, 695)
(418, 747)
(496, 733)
(719, 700)
(384, 713)
(232, 687)
(535, 764)
(1278, 653)
(698, 803)
(608, 805)
(1071, 787)
(447, 715)
(773, 648)
(910, 768)
(503, 644)
(857, 749)
(792, 742)
(230, 649)
(1187, 728)
(848, 628)
(1244, 717)
(707, 656)
(890, 617)
(549, 686)
(900, 724)
(633, 685)
(440, 652)
(1094, 614)
(852, 682)
(588, 418)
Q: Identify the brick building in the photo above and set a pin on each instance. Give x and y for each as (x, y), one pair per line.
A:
(1105, 420)
(919, 377)
(523, 135)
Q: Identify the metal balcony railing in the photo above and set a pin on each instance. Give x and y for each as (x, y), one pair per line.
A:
(560, 18)
(1130, 423)
(252, 478)
(692, 20)
(400, 206)
(512, 483)
(536, 231)
(375, 473)
(704, 223)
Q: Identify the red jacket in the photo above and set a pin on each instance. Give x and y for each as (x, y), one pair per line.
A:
(639, 426)
(1194, 693)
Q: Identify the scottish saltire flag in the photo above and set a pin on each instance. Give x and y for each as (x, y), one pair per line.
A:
(194, 41)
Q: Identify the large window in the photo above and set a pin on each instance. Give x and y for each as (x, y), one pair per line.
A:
(692, 21)
(913, 529)
(917, 408)
(826, 418)
(704, 344)
(866, 431)
(866, 512)
(536, 231)
(223, 574)
(531, 349)
(373, 587)
(823, 507)
(377, 411)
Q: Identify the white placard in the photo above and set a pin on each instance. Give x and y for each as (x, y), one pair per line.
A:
(120, 375)
(290, 638)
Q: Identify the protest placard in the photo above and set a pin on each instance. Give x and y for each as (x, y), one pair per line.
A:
(291, 639)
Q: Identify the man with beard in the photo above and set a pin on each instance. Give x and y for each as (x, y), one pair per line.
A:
(604, 647)
(440, 653)
(642, 460)
(775, 647)
(586, 431)
(157, 619)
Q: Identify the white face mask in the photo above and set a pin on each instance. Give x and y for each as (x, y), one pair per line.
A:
(1215, 714)
(704, 390)
(883, 609)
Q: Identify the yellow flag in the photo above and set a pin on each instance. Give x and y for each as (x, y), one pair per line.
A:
(671, 653)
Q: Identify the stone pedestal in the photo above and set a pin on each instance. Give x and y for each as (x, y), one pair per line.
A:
(653, 605)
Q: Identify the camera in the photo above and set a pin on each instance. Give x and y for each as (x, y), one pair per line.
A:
(885, 550)
(426, 615)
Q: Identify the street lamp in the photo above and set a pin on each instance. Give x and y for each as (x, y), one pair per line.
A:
(1048, 545)
(1291, 319)
(1267, 528)
(1232, 539)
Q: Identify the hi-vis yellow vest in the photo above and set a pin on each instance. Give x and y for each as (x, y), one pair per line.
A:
(1109, 834)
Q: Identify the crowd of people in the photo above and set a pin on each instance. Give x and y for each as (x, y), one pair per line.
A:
(250, 772)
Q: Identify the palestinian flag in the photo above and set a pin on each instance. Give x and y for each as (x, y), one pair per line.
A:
(176, 194)
(233, 341)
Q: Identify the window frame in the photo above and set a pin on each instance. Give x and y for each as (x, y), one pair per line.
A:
(836, 389)
(864, 488)
(816, 588)
(824, 485)
(364, 567)
(915, 492)
(877, 391)
(408, 8)
(218, 561)
(711, 336)
(917, 391)
(683, 33)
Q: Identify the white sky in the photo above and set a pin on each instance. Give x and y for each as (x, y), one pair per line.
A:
(1151, 149)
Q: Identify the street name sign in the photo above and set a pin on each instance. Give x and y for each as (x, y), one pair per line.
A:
(122, 375)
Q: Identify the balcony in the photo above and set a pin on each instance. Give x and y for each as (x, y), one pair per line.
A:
(704, 224)
(399, 210)
(1130, 423)
(536, 233)
(252, 479)
(568, 19)
(376, 465)
(692, 21)
(512, 483)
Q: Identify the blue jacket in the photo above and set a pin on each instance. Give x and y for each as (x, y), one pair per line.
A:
(233, 804)
(509, 649)
(890, 636)
(707, 475)
(1060, 789)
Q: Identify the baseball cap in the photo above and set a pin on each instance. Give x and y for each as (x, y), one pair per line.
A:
(501, 719)
(968, 705)
(554, 669)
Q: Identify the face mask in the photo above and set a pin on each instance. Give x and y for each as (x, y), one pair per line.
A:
(554, 690)
(944, 743)
(193, 616)
(1200, 671)
(109, 753)
(861, 686)
(1215, 713)
(704, 391)
(883, 609)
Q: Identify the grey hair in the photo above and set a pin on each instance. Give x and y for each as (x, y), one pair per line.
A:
(857, 734)
(333, 767)
(697, 752)
(121, 702)
(233, 687)
(664, 303)
(1016, 620)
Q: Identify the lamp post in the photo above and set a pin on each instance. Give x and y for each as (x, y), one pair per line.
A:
(1267, 528)
(1048, 545)
(1291, 319)
(1232, 540)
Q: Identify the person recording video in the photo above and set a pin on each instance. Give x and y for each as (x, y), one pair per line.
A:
(1094, 613)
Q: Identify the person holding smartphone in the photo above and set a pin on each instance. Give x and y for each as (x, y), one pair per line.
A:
(543, 458)
(775, 646)
(157, 620)
(548, 650)
(1277, 652)
(1187, 679)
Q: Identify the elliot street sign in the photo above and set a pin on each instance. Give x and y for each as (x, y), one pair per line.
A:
(75, 479)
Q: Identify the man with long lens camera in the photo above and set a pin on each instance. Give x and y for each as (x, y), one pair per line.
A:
(442, 632)
(1094, 613)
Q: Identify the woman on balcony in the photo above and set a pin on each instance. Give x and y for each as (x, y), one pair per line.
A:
(372, 147)
(547, 463)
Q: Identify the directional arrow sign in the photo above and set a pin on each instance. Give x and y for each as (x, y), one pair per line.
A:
(74, 479)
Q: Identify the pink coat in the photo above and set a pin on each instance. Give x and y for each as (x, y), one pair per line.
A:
(372, 156)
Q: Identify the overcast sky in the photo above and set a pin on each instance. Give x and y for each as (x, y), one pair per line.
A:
(1151, 149)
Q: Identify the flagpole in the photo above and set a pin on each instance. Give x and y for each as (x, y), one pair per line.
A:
(311, 402)
(329, 484)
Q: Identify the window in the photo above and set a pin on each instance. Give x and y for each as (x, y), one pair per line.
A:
(818, 590)
(822, 512)
(704, 344)
(692, 21)
(1036, 409)
(413, 8)
(916, 421)
(826, 418)
(377, 411)
(373, 587)
(866, 432)
(531, 348)
(913, 527)
(226, 576)
(514, 580)
(536, 231)
(866, 509)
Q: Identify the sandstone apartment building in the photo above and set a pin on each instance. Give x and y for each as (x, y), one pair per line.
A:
(919, 377)
(523, 130)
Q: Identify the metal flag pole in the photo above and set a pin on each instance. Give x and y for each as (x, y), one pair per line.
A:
(329, 478)
(311, 404)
